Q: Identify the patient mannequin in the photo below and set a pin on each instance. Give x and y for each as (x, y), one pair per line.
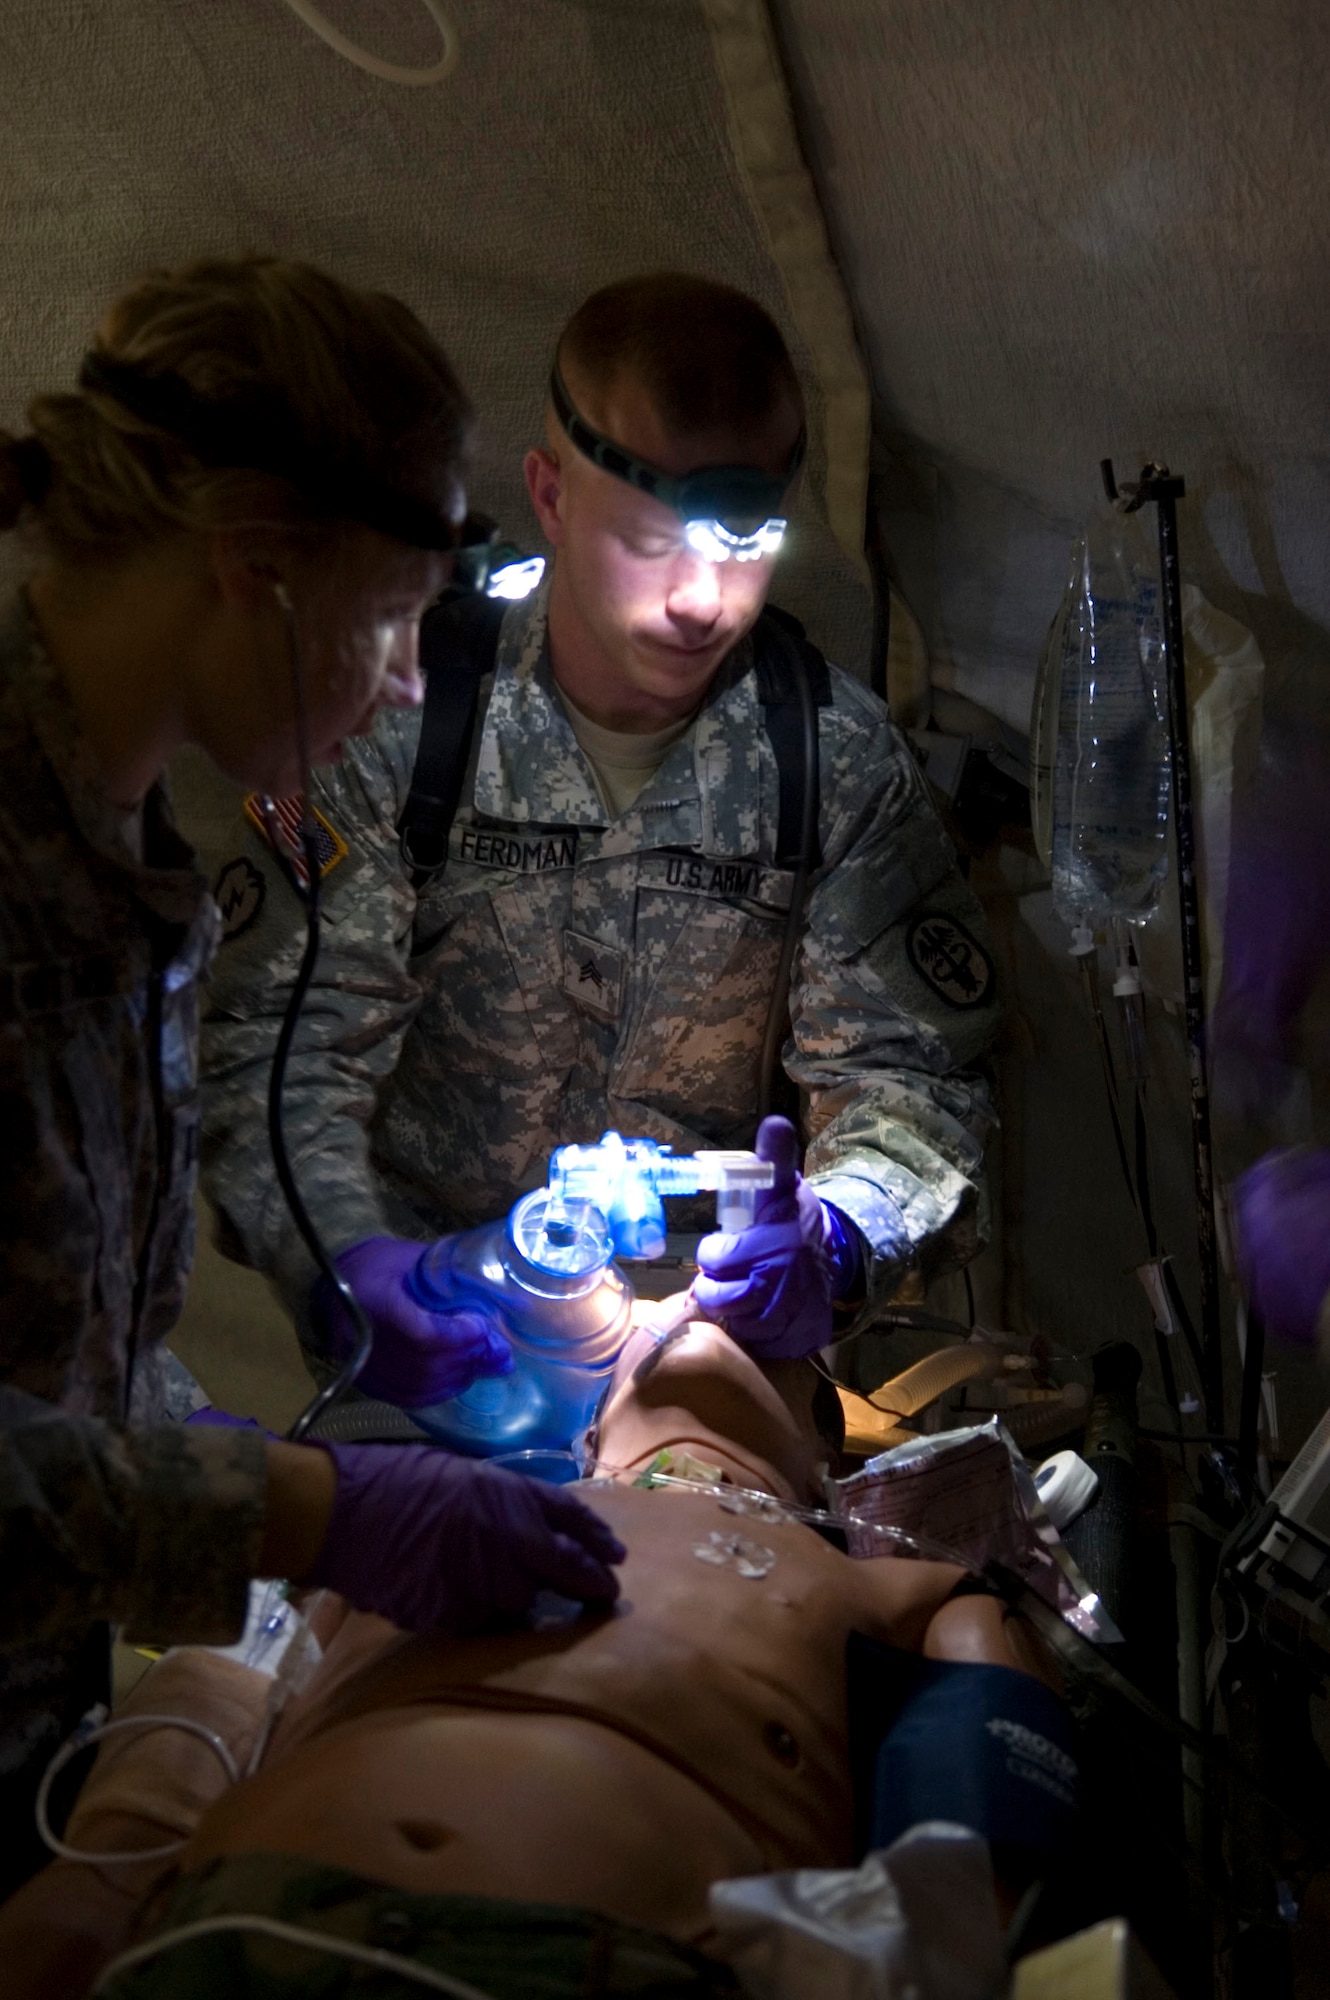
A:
(619, 1763)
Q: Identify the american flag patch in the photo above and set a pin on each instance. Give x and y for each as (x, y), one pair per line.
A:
(289, 814)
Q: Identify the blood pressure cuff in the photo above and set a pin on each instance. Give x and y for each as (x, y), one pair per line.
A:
(986, 1747)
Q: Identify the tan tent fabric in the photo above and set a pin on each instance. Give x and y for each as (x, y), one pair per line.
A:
(786, 201)
(1072, 228)
(571, 143)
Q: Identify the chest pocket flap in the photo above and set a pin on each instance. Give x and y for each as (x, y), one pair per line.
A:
(697, 1026)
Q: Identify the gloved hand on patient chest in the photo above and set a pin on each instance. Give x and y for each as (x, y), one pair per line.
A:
(419, 1357)
(439, 1543)
(771, 1286)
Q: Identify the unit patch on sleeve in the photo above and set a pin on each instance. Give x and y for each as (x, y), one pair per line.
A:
(289, 813)
(239, 895)
(952, 962)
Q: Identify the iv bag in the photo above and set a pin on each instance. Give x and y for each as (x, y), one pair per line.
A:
(1110, 791)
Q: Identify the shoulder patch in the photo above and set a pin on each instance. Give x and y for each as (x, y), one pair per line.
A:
(289, 812)
(949, 959)
(239, 893)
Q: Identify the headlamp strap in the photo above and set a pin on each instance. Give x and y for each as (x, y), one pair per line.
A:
(259, 434)
(741, 497)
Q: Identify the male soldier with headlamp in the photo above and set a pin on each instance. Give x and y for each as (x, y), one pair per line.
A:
(566, 900)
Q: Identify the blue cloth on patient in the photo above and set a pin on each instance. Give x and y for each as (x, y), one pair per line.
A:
(987, 1747)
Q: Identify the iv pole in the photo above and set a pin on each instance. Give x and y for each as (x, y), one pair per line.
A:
(1164, 490)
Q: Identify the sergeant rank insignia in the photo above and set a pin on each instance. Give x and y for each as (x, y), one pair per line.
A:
(949, 959)
(288, 815)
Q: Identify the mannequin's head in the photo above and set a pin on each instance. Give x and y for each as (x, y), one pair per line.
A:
(704, 1395)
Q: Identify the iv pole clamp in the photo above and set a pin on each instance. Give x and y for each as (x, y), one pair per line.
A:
(1158, 486)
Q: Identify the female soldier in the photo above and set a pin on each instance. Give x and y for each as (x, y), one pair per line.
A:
(255, 483)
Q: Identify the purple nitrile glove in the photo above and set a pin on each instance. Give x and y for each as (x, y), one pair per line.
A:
(771, 1285)
(419, 1357)
(1276, 918)
(209, 1414)
(1282, 1211)
(442, 1544)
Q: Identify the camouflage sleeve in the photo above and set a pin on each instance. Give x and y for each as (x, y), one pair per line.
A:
(158, 1530)
(359, 1004)
(894, 999)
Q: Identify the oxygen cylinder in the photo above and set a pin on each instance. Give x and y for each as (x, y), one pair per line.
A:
(562, 1304)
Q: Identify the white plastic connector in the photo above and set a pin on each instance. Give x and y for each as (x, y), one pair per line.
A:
(1066, 1485)
(1127, 973)
(1155, 1285)
(1082, 941)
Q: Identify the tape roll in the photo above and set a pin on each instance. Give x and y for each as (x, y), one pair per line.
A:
(1066, 1485)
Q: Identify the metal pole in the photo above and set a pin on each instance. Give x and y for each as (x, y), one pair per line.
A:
(1165, 490)
(1253, 1366)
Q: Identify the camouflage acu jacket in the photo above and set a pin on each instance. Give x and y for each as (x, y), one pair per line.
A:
(101, 951)
(563, 974)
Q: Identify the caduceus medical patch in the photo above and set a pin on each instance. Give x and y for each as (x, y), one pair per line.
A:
(949, 959)
(239, 895)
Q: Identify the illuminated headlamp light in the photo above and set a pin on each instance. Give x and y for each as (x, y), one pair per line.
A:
(727, 510)
(713, 540)
(517, 579)
(484, 563)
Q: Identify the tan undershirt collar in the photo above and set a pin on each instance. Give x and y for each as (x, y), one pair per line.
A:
(622, 761)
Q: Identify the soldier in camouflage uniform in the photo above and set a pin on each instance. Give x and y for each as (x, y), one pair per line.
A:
(582, 962)
(105, 930)
(150, 621)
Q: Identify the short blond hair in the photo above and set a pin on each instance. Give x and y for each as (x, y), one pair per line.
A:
(707, 355)
(359, 380)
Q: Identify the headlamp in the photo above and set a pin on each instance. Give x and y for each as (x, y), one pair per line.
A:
(484, 563)
(515, 579)
(727, 510)
(713, 540)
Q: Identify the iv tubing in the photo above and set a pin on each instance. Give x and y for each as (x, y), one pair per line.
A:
(1165, 490)
(387, 72)
(80, 1740)
(318, 1941)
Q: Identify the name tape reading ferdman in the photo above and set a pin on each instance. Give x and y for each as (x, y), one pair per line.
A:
(692, 874)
